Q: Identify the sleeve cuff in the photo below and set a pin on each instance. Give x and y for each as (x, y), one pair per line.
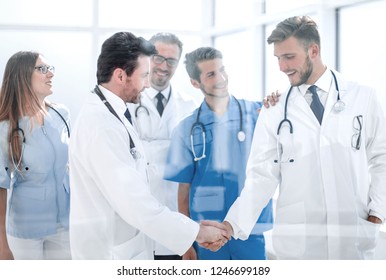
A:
(375, 214)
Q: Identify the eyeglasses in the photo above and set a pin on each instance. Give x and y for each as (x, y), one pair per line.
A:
(356, 139)
(45, 68)
(158, 59)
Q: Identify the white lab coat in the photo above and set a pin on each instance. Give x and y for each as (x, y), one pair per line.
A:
(326, 194)
(155, 133)
(113, 214)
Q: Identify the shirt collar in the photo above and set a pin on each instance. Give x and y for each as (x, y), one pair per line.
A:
(323, 83)
(152, 92)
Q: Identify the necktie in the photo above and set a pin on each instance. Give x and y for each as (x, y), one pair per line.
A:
(128, 115)
(160, 104)
(316, 105)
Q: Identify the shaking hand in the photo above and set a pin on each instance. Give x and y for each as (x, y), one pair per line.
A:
(212, 235)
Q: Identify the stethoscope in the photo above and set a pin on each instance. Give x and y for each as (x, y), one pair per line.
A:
(339, 106)
(133, 150)
(16, 165)
(199, 125)
(142, 107)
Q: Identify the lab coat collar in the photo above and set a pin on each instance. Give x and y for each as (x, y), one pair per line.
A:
(323, 83)
(152, 92)
(116, 102)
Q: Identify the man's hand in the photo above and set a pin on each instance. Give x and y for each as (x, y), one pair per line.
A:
(375, 220)
(228, 227)
(190, 254)
(215, 246)
(271, 99)
(212, 235)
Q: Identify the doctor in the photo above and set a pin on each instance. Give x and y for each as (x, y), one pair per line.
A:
(155, 124)
(208, 156)
(331, 171)
(113, 214)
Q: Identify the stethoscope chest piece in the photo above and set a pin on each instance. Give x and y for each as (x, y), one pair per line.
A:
(136, 155)
(339, 106)
(241, 136)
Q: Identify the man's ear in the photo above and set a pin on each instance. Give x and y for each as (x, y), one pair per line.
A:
(119, 75)
(195, 83)
(313, 50)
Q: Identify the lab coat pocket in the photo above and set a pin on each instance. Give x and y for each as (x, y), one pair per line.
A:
(134, 249)
(367, 236)
(348, 134)
(289, 231)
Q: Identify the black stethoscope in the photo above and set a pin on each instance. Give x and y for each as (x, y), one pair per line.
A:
(199, 125)
(133, 151)
(18, 129)
(145, 109)
(339, 106)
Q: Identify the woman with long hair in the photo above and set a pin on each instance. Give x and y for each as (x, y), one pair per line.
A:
(34, 184)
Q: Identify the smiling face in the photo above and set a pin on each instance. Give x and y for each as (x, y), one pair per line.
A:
(213, 78)
(160, 74)
(295, 61)
(41, 83)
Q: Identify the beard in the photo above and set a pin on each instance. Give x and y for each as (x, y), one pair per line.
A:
(306, 73)
(160, 82)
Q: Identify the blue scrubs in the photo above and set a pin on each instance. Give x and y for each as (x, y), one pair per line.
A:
(217, 180)
(38, 200)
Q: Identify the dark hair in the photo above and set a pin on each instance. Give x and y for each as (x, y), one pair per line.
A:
(302, 28)
(167, 38)
(199, 55)
(121, 50)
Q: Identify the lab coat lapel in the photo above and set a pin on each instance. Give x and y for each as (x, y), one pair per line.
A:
(160, 125)
(149, 104)
(297, 103)
(169, 110)
(333, 95)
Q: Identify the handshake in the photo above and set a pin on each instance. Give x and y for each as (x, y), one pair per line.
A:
(213, 235)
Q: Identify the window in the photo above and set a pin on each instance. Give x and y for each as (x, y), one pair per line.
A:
(46, 13)
(362, 44)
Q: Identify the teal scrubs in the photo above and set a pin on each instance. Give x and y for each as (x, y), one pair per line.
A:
(39, 196)
(217, 180)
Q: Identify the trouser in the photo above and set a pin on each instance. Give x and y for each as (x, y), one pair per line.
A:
(167, 257)
(50, 247)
